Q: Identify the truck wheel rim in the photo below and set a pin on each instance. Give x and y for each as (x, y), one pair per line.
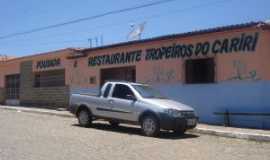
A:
(149, 126)
(83, 117)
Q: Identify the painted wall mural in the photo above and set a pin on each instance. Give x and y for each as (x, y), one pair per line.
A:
(161, 75)
(241, 72)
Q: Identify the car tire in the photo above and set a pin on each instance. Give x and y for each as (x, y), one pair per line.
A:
(114, 124)
(150, 126)
(84, 118)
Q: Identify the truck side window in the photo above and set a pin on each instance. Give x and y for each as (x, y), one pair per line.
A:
(107, 90)
(121, 91)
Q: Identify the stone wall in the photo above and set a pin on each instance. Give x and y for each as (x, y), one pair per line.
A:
(49, 97)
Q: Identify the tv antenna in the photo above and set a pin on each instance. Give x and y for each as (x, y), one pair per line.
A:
(136, 31)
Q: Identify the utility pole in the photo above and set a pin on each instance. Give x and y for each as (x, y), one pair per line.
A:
(98, 41)
(96, 38)
(101, 40)
(90, 42)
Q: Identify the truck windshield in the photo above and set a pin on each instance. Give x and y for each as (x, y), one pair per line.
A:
(148, 92)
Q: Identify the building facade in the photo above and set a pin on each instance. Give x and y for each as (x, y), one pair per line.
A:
(214, 70)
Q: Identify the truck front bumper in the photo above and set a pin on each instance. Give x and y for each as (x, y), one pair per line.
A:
(171, 123)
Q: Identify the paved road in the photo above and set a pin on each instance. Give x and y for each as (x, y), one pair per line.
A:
(27, 136)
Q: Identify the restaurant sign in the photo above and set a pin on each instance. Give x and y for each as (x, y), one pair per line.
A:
(242, 43)
(48, 63)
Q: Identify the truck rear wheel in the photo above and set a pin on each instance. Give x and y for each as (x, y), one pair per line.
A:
(150, 126)
(84, 118)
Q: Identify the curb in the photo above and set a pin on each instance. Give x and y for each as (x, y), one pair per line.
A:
(215, 132)
(37, 112)
(238, 135)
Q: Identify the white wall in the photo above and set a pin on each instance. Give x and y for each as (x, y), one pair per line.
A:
(209, 98)
(233, 96)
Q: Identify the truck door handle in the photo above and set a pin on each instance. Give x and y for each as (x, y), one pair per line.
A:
(111, 101)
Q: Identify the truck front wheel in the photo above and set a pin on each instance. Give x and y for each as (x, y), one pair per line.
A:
(84, 118)
(150, 126)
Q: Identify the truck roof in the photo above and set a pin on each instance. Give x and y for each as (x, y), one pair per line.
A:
(126, 82)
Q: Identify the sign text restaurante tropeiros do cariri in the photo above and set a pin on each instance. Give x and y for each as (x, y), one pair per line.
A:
(241, 43)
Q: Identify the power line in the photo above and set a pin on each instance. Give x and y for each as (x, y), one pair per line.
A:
(154, 16)
(85, 19)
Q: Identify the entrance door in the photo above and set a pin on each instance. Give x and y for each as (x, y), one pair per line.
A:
(12, 84)
(118, 74)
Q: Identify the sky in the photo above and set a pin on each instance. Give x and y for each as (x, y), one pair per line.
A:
(174, 17)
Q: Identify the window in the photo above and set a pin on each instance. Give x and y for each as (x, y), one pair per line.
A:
(107, 90)
(148, 92)
(53, 78)
(37, 80)
(12, 86)
(121, 91)
(92, 80)
(75, 64)
(200, 71)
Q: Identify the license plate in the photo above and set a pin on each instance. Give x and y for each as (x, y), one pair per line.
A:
(191, 122)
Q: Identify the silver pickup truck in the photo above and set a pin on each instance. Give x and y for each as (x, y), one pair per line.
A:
(125, 102)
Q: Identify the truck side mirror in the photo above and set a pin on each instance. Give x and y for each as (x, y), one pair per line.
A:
(130, 97)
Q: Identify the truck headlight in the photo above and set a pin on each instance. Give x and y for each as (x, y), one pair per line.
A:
(174, 113)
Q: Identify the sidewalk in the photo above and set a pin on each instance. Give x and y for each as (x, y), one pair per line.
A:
(62, 113)
(231, 132)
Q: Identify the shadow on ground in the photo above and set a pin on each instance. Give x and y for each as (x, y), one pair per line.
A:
(134, 130)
